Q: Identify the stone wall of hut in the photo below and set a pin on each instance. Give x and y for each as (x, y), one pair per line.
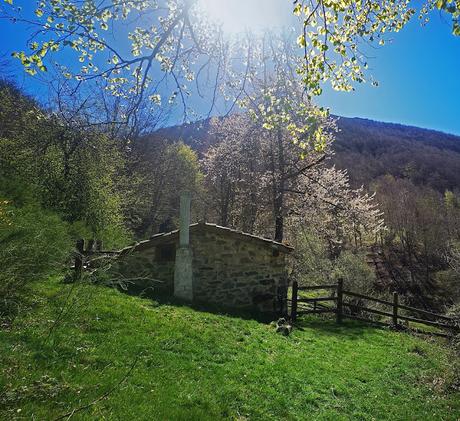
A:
(231, 272)
(151, 268)
(237, 273)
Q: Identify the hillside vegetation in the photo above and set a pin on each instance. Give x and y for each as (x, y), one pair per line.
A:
(370, 149)
(159, 361)
(62, 178)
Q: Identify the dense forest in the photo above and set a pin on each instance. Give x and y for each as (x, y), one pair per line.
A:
(370, 149)
(391, 222)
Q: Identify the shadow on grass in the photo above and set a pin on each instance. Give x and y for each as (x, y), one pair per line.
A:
(349, 329)
(167, 299)
(328, 326)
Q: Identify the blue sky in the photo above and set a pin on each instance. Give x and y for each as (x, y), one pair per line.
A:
(419, 76)
(418, 72)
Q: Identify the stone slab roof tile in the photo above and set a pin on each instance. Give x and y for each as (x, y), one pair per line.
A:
(164, 237)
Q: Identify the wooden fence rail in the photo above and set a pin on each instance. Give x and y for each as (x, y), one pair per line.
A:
(446, 324)
(313, 287)
(312, 300)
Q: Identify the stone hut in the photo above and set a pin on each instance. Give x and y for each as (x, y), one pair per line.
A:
(207, 263)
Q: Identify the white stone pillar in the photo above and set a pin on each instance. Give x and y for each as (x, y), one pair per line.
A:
(183, 270)
(184, 225)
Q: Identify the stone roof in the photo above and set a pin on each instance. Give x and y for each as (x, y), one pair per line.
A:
(164, 237)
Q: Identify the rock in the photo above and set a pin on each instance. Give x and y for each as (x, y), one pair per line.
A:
(285, 329)
(281, 321)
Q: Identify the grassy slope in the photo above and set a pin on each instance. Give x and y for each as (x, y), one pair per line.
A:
(197, 365)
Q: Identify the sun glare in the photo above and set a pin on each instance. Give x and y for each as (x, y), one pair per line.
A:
(241, 15)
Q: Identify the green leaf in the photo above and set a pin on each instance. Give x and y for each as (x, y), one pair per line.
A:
(302, 41)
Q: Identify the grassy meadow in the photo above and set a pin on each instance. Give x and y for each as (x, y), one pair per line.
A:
(108, 355)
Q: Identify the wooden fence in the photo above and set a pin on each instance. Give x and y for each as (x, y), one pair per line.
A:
(86, 254)
(337, 304)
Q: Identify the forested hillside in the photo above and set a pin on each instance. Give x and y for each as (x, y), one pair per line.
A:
(171, 180)
(368, 149)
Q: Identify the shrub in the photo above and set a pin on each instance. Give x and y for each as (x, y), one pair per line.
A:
(311, 265)
(447, 285)
(115, 237)
(357, 275)
(33, 244)
(454, 312)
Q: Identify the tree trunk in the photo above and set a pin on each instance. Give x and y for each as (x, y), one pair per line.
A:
(279, 192)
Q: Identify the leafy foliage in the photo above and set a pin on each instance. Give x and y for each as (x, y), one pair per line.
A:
(69, 170)
(356, 273)
(176, 44)
(332, 34)
(158, 171)
(33, 244)
(313, 264)
(161, 50)
(451, 7)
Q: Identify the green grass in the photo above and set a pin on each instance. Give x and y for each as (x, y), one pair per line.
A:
(193, 365)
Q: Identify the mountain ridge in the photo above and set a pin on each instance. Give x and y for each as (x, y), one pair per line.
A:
(369, 149)
(396, 124)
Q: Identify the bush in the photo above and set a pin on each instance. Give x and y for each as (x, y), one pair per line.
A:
(454, 312)
(357, 275)
(33, 244)
(448, 285)
(115, 237)
(311, 265)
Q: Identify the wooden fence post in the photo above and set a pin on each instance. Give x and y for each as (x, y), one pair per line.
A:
(295, 289)
(395, 309)
(80, 246)
(90, 247)
(98, 245)
(339, 309)
(281, 302)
